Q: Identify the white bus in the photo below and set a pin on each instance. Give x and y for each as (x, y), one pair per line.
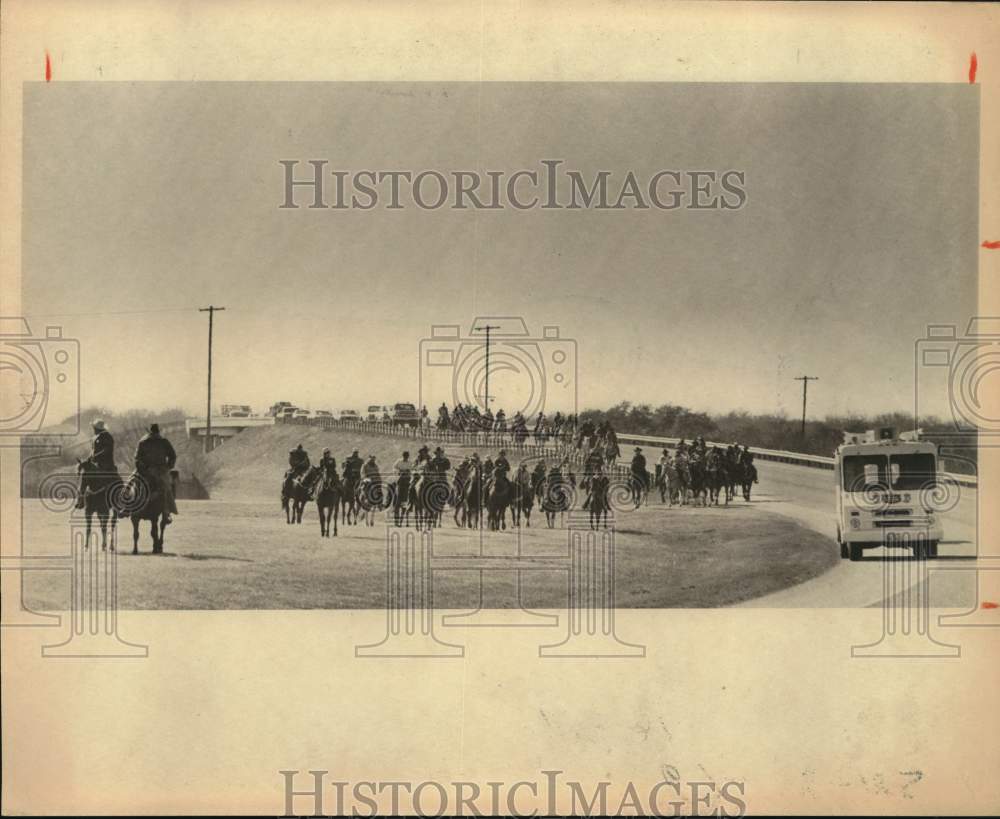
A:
(886, 491)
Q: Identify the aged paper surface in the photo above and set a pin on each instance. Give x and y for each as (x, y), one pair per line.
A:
(827, 198)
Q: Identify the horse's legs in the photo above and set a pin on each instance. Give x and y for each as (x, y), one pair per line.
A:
(135, 536)
(86, 537)
(104, 532)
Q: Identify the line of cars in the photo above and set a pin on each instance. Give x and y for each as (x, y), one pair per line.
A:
(400, 414)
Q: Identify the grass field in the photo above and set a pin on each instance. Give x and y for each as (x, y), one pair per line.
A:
(242, 555)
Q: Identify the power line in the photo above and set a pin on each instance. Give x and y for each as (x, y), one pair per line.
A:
(113, 312)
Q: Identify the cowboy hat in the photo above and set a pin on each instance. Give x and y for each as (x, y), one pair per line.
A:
(98, 424)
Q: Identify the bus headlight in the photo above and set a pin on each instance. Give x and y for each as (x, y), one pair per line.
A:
(906, 497)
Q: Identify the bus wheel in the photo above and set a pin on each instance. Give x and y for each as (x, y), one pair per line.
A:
(856, 550)
(844, 554)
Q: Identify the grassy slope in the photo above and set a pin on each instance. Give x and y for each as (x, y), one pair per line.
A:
(250, 466)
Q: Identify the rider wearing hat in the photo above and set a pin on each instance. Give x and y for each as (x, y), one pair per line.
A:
(501, 462)
(328, 464)
(102, 448)
(298, 460)
(102, 456)
(352, 465)
(154, 458)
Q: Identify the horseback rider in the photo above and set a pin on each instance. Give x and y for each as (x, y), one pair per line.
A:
(423, 454)
(439, 464)
(443, 419)
(488, 467)
(404, 466)
(538, 474)
(329, 466)
(298, 462)
(500, 425)
(102, 453)
(638, 466)
(154, 458)
(352, 466)
(501, 465)
(102, 456)
(593, 464)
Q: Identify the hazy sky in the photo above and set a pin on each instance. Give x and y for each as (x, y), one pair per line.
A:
(860, 229)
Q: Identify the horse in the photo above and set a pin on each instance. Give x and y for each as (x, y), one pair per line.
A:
(557, 496)
(598, 503)
(611, 453)
(370, 497)
(697, 482)
(97, 489)
(523, 498)
(498, 498)
(683, 478)
(349, 498)
(748, 479)
(717, 480)
(639, 487)
(328, 498)
(146, 502)
(402, 501)
(473, 498)
(296, 491)
(431, 499)
(668, 482)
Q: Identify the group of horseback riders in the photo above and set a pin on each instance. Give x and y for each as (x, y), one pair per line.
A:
(154, 458)
(469, 418)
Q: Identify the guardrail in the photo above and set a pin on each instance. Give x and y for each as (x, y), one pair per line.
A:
(563, 448)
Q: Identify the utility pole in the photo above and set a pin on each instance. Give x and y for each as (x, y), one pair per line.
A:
(211, 309)
(487, 328)
(805, 379)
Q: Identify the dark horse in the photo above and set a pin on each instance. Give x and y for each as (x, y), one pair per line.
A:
(349, 499)
(296, 491)
(747, 479)
(472, 498)
(142, 499)
(524, 497)
(717, 480)
(498, 498)
(100, 491)
(598, 503)
(328, 498)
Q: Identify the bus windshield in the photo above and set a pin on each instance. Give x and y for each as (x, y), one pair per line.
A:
(907, 472)
(864, 471)
(914, 471)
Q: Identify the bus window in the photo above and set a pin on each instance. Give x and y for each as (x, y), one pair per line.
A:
(914, 471)
(864, 471)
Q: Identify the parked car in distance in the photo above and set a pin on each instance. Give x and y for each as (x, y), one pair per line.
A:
(405, 415)
(323, 414)
(349, 415)
(302, 413)
(377, 412)
(287, 412)
(236, 411)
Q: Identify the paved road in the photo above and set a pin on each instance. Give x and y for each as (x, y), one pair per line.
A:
(807, 495)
